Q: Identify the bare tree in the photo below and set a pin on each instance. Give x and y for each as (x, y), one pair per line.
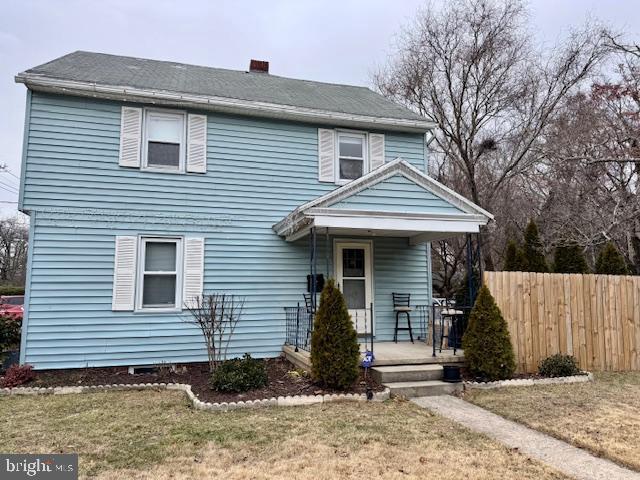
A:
(591, 157)
(14, 236)
(473, 70)
(217, 315)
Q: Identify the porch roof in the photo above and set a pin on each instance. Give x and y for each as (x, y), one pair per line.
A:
(395, 200)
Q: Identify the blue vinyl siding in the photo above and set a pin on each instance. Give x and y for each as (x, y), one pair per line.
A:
(397, 194)
(259, 170)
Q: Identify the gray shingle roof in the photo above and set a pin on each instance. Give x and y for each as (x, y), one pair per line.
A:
(115, 70)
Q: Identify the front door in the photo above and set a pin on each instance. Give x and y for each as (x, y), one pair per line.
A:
(354, 277)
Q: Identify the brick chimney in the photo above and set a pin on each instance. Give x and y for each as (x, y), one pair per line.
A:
(259, 66)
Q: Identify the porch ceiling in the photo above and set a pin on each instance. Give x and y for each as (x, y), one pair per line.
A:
(420, 225)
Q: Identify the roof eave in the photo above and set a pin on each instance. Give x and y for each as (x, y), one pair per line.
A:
(221, 104)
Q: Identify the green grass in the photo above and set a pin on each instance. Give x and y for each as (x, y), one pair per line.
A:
(157, 435)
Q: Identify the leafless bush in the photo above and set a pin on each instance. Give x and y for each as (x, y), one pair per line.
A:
(217, 315)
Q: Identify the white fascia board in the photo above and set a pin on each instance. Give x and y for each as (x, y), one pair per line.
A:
(396, 224)
(339, 212)
(224, 104)
(416, 223)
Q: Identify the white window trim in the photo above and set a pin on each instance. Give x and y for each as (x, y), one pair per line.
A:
(365, 154)
(142, 240)
(145, 143)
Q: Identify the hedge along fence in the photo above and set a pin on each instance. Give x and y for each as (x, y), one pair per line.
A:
(595, 318)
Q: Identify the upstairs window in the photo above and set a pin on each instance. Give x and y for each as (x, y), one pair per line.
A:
(346, 155)
(164, 143)
(351, 155)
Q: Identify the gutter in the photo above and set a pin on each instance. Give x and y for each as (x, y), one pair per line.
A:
(221, 104)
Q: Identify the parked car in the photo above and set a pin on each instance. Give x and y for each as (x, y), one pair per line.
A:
(12, 306)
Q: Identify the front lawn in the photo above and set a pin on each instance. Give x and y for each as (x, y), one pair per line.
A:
(155, 435)
(602, 416)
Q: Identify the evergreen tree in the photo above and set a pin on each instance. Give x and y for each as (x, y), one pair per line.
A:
(335, 354)
(486, 343)
(569, 258)
(610, 261)
(511, 257)
(533, 250)
(521, 260)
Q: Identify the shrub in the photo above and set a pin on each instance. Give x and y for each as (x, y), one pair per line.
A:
(11, 290)
(569, 259)
(239, 375)
(17, 375)
(335, 354)
(9, 333)
(559, 366)
(611, 262)
(533, 250)
(486, 343)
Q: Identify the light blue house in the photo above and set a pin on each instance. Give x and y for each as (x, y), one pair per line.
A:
(149, 182)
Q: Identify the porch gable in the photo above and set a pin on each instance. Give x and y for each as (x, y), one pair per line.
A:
(395, 199)
(397, 194)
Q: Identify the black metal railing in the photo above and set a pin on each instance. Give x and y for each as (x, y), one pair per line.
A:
(423, 313)
(299, 326)
(363, 322)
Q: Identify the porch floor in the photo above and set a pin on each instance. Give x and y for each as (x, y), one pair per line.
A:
(407, 353)
(388, 353)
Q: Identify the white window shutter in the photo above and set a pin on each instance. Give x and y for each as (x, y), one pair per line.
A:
(193, 269)
(326, 155)
(130, 137)
(376, 150)
(124, 273)
(197, 143)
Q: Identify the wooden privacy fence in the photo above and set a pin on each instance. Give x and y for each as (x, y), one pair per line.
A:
(595, 318)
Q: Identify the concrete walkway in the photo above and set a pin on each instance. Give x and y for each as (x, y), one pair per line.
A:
(559, 455)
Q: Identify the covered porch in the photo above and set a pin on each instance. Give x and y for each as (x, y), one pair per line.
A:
(373, 236)
(389, 354)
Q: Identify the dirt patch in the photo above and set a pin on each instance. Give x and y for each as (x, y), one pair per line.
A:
(284, 380)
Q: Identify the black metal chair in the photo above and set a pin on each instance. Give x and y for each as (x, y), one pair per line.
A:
(402, 305)
(307, 302)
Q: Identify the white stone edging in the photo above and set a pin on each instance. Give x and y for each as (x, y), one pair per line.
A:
(198, 404)
(527, 382)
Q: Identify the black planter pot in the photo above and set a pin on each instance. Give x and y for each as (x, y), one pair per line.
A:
(451, 373)
(11, 357)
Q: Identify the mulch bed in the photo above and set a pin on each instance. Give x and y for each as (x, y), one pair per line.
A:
(282, 382)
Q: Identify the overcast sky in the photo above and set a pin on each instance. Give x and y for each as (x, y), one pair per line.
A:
(336, 41)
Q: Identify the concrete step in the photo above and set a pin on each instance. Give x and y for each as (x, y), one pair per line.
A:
(427, 359)
(406, 373)
(426, 388)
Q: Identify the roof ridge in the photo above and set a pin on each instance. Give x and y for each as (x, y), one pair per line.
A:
(117, 77)
(208, 67)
